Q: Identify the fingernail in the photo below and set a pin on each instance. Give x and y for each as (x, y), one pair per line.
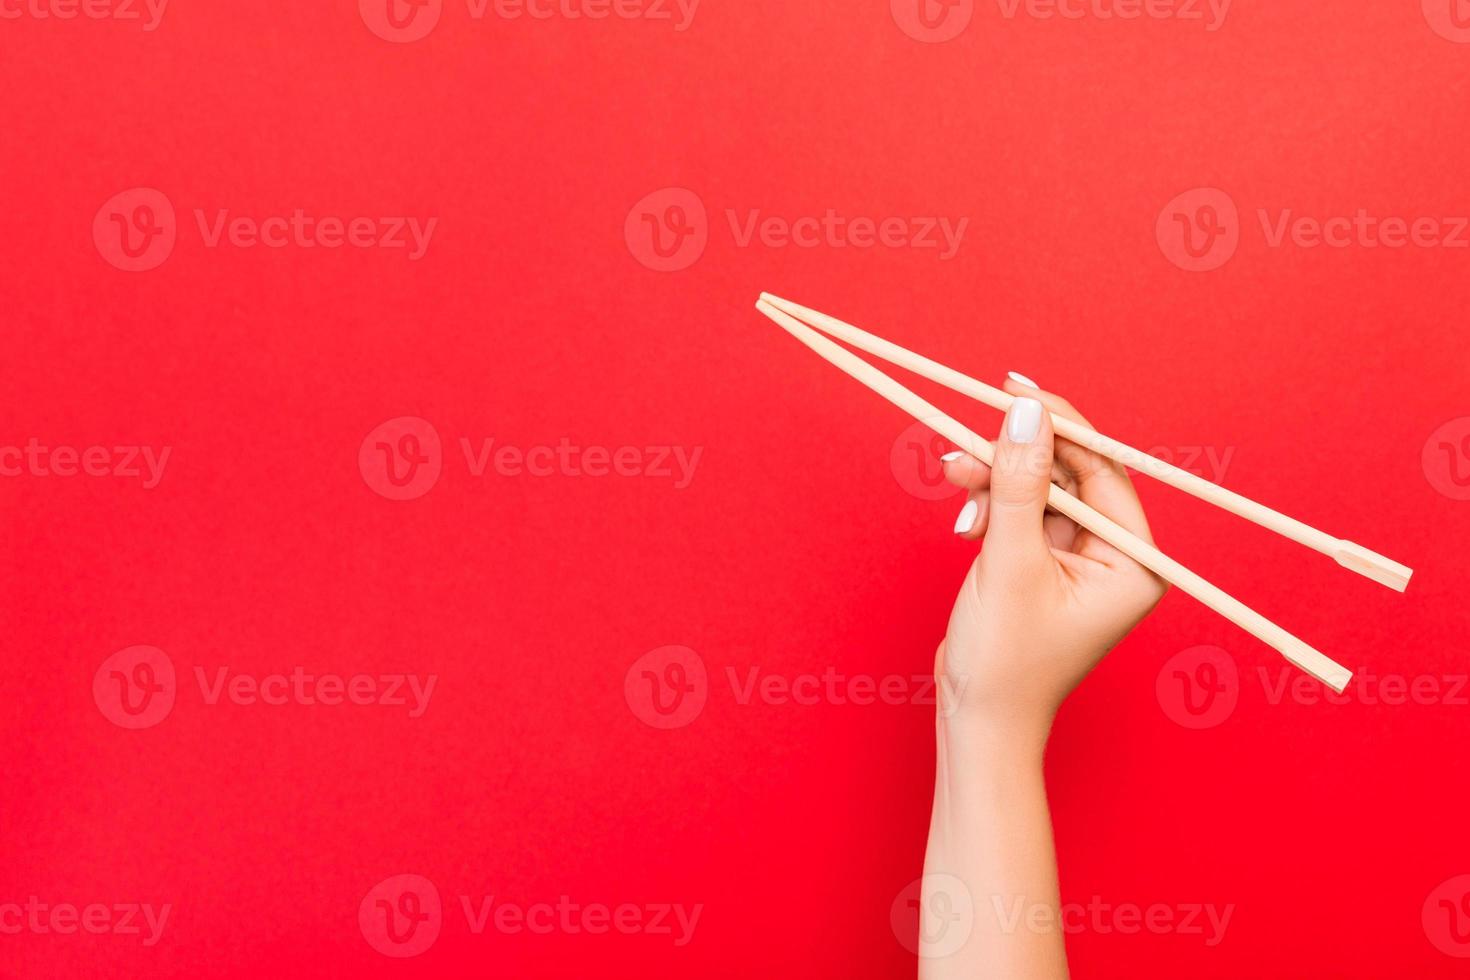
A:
(1022, 379)
(951, 457)
(1024, 419)
(966, 520)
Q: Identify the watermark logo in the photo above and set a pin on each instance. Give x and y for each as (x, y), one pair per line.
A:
(914, 460)
(1199, 230)
(667, 230)
(933, 916)
(136, 229)
(403, 21)
(408, 691)
(401, 916)
(1211, 13)
(135, 688)
(142, 919)
(679, 13)
(932, 21)
(1199, 687)
(308, 231)
(1446, 917)
(1446, 458)
(402, 458)
(676, 464)
(835, 687)
(1367, 688)
(667, 688)
(1210, 462)
(1450, 19)
(36, 459)
(117, 10)
(138, 687)
(676, 921)
(1361, 230)
(400, 21)
(1205, 920)
(832, 229)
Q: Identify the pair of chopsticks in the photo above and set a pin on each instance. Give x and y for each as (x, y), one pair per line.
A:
(799, 321)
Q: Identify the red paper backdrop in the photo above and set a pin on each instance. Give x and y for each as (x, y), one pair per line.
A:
(1314, 378)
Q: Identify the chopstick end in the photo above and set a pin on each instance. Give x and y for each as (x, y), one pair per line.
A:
(1338, 679)
(1370, 564)
(1317, 663)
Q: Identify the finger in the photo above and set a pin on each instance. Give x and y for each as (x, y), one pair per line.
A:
(964, 470)
(1101, 483)
(1019, 481)
(974, 517)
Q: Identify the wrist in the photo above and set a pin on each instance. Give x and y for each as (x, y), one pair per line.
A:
(997, 739)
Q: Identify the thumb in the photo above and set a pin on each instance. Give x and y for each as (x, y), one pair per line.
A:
(1019, 482)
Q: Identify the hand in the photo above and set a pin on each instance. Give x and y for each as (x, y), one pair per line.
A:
(1045, 599)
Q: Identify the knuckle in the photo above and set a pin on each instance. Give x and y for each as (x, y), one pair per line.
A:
(1077, 460)
(1014, 496)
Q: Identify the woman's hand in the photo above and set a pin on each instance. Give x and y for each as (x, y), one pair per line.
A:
(1040, 606)
(1045, 599)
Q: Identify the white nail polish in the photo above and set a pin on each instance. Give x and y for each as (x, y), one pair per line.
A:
(1024, 419)
(966, 520)
(951, 457)
(1022, 379)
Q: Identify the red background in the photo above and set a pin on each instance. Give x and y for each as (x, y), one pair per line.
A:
(794, 549)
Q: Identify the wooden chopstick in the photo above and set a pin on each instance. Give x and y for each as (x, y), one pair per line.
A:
(1347, 554)
(1312, 661)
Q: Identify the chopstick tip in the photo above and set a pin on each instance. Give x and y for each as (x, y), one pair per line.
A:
(1370, 564)
(1338, 679)
(1314, 662)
